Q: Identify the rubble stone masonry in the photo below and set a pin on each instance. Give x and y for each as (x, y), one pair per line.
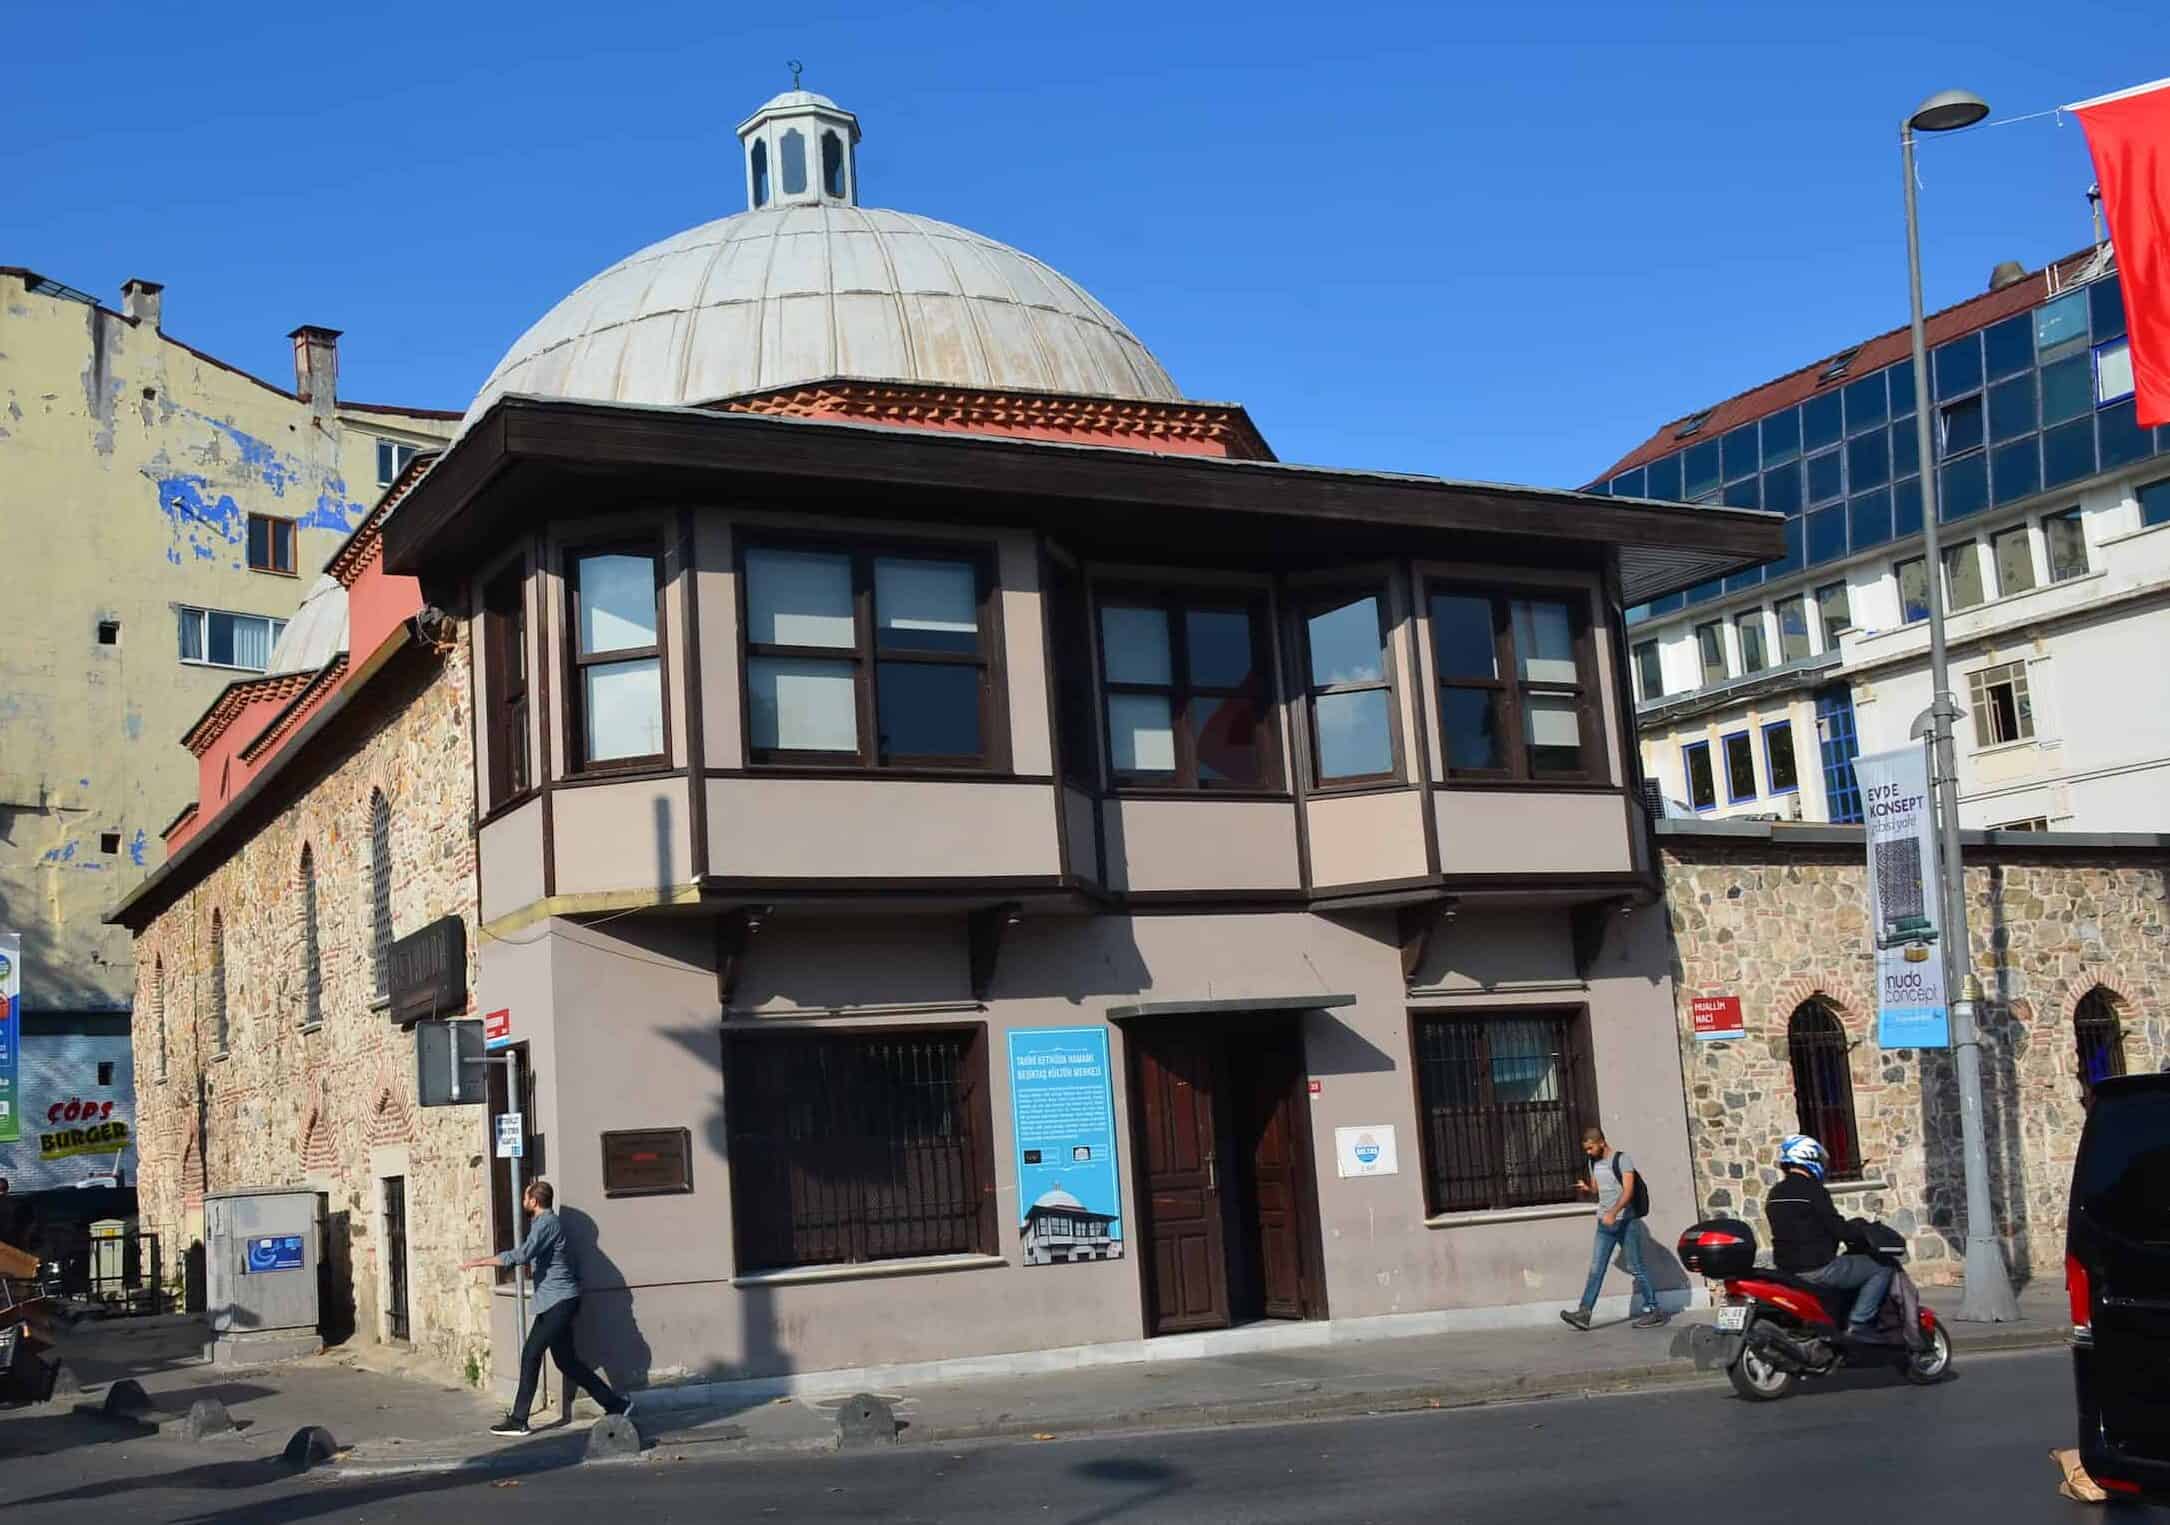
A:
(1777, 923)
(331, 1106)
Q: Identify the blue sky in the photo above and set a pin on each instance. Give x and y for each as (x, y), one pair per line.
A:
(1502, 244)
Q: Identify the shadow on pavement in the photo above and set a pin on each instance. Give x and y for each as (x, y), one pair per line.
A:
(1155, 1481)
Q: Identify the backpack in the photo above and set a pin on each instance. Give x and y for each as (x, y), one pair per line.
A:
(1641, 1203)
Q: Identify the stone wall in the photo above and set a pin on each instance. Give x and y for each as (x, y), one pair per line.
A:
(1776, 922)
(331, 1106)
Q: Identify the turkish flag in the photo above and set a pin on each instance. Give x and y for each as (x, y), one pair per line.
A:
(2129, 135)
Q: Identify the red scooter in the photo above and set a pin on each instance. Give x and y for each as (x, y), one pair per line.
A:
(1785, 1328)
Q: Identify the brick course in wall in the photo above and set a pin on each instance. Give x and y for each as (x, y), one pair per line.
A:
(1777, 924)
(332, 1106)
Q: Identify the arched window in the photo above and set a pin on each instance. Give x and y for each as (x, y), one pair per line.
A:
(760, 174)
(312, 967)
(832, 165)
(791, 148)
(380, 890)
(158, 1010)
(2101, 1038)
(218, 983)
(1823, 1086)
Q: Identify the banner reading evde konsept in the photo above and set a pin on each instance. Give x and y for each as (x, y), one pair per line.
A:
(11, 1035)
(1906, 903)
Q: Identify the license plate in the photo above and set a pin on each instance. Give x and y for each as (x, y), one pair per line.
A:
(1733, 1320)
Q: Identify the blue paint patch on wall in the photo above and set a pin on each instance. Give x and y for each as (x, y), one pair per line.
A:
(138, 846)
(65, 853)
(199, 520)
(334, 510)
(257, 456)
(173, 555)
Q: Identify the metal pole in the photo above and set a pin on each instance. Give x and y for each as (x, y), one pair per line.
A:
(519, 1189)
(1987, 1297)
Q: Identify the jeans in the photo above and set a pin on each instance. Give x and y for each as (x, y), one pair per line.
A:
(1871, 1276)
(553, 1331)
(1626, 1237)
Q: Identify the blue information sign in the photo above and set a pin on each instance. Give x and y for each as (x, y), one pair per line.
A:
(1062, 1105)
(278, 1252)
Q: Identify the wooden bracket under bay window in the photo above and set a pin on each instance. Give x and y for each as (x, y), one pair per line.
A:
(1419, 926)
(735, 931)
(986, 927)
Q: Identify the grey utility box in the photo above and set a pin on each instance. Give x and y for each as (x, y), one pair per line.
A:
(261, 1251)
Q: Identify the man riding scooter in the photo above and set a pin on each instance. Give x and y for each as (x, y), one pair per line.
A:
(1809, 1238)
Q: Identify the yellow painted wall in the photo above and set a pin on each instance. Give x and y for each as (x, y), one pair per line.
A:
(128, 464)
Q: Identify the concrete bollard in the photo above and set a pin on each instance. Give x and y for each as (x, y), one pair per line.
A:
(206, 1417)
(613, 1438)
(125, 1399)
(864, 1420)
(312, 1443)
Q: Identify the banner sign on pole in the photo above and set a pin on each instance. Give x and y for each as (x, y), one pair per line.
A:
(11, 1033)
(1906, 901)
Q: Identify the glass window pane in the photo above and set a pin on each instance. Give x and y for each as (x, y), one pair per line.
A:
(1662, 478)
(1740, 452)
(1868, 461)
(1781, 437)
(1141, 733)
(1782, 489)
(1740, 768)
(1710, 652)
(803, 706)
(1964, 487)
(1738, 581)
(1476, 741)
(617, 602)
(1778, 757)
(1905, 448)
(1961, 424)
(1868, 519)
(2014, 555)
(1826, 477)
(1822, 421)
(2011, 408)
(2066, 541)
(1827, 534)
(1702, 792)
(1704, 592)
(1353, 738)
(1463, 644)
(1544, 641)
(1649, 670)
(192, 635)
(928, 709)
(798, 598)
(2106, 306)
(793, 155)
(1628, 484)
(622, 707)
(2067, 389)
(2122, 439)
(2068, 452)
(221, 644)
(1134, 645)
(1699, 470)
(2008, 348)
(1753, 656)
(1962, 575)
(1552, 727)
(1218, 642)
(1913, 590)
(2060, 322)
(1906, 508)
(1957, 366)
(1793, 630)
(252, 640)
(926, 605)
(1865, 404)
(1901, 377)
(2155, 504)
(2113, 371)
(1833, 613)
(2015, 470)
(1345, 644)
(1743, 494)
(1796, 555)
(1226, 736)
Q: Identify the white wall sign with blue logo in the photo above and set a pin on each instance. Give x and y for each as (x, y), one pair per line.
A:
(1062, 1107)
(277, 1252)
(1366, 1151)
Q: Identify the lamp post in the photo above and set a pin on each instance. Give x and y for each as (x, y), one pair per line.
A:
(1987, 1297)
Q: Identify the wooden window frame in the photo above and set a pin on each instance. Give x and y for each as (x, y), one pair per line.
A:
(743, 1069)
(1578, 1106)
(1307, 604)
(864, 657)
(1512, 690)
(506, 665)
(273, 525)
(1174, 601)
(651, 547)
(1811, 1112)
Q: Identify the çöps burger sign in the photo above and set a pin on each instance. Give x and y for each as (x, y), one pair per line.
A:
(101, 1132)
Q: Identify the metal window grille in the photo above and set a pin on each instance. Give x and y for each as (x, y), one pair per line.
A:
(218, 983)
(312, 967)
(2101, 1039)
(1502, 1102)
(1823, 1087)
(380, 890)
(858, 1147)
(395, 1257)
(158, 1011)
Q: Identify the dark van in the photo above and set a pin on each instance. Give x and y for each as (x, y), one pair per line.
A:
(2117, 1273)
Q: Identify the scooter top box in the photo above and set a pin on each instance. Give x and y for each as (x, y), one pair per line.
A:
(1718, 1248)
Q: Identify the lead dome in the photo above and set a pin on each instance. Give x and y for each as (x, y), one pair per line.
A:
(810, 286)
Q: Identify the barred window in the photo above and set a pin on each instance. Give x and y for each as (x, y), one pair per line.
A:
(380, 891)
(312, 968)
(859, 1146)
(218, 983)
(1502, 1102)
(158, 1010)
(2101, 1039)
(1823, 1086)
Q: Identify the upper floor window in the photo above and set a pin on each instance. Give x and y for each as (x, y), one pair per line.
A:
(1913, 575)
(271, 544)
(1778, 761)
(1188, 701)
(504, 659)
(216, 638)
(1710, 652)
(2154, 505)
(2064, 536)
(1962, 576)
(2013, 553)
(1650, 670)
(392, 459)
(1833, 613)
(1695, 766)
(380, 892)
(617, 688)
(1792, 629)
(1517, 686)
(1754, 656)
(2002, 709)
(871, 658)
(1350, 695)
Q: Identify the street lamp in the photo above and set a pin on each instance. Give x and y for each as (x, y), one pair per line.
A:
(1987, 1297)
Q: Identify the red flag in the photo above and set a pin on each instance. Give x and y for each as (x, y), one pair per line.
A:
(2129, 135)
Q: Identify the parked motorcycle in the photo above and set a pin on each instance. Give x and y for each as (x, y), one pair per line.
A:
(1785, 1327)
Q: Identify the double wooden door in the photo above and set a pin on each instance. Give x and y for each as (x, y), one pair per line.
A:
(1222, 1130)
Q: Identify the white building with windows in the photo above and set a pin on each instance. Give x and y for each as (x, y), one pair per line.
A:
(1754, 694)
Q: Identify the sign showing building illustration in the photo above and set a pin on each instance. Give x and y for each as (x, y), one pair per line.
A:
(1062, 1105)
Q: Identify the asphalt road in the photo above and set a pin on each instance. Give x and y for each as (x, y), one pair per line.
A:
(1864, 1448)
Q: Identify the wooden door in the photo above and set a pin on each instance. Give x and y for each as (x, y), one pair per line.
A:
(1273, 1082)
(1172, 1101)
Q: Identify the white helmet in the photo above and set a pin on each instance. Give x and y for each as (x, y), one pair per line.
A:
(1797, 1151)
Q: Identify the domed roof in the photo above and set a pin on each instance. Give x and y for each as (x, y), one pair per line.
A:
(1057, 1198)
(811, 286)
(316, 633)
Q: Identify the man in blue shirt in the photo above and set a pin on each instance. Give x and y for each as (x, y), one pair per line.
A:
(549, 1260)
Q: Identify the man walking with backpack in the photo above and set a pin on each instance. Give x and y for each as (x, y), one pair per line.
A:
(1623, 1201)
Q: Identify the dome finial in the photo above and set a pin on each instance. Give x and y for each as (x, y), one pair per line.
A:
(796, 69)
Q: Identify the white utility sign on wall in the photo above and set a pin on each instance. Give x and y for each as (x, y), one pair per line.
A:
(510, 1142)
(1366, 1151)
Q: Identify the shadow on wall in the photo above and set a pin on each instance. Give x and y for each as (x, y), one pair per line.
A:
(606, 1307)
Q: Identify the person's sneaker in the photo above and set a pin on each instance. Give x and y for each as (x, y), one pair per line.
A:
(1869, 1334)
(510, 1426)
(1575, 1318)
(1652, 1320)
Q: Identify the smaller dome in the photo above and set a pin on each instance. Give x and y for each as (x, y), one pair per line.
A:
(1058, 1198)
(316, 633)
